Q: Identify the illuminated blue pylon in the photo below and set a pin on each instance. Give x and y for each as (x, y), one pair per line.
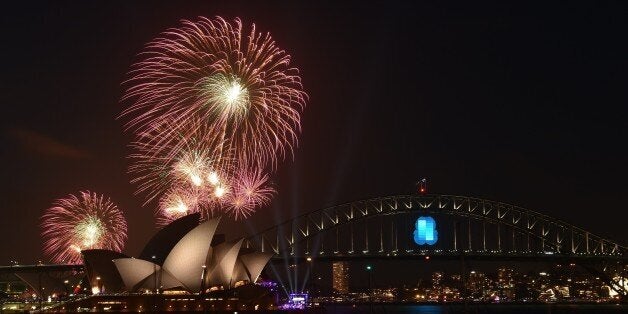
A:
(425, 232)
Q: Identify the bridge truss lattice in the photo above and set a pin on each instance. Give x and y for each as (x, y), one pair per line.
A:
(471, 227)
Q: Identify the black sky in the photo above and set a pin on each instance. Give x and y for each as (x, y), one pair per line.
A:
(521, 104)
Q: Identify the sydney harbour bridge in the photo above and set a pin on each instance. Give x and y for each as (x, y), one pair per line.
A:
(467, 229)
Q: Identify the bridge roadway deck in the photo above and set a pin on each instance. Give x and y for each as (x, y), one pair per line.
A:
(475, 256)
(40, 268)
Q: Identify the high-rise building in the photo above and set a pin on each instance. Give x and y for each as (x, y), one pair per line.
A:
(476, 282)
(340, 274)
(505, 283)
(437, 278)
(505, 277)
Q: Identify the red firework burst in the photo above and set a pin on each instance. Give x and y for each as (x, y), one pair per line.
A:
(83, 221)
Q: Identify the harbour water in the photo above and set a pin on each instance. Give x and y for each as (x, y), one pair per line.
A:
(481, 309)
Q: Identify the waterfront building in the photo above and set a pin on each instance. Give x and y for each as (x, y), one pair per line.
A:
(340, 277)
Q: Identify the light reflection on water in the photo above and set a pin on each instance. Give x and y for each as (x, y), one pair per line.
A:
(481, 309)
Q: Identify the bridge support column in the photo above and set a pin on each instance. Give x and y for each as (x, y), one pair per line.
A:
(455, 236)
(381, 235)
(499, 237)
(514, 243)
(469, 231)
(392, 235)
(366, 235)
(337, 244)
(351, 238)
(484, 236)
(573, 248)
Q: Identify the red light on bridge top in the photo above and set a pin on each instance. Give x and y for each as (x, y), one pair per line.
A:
(423, 186)
(427, 257)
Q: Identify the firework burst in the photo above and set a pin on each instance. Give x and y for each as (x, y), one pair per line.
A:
(206, 99)
(251, 189)
(239, 84)
(177, 203)
(185, 162)
(83, 221)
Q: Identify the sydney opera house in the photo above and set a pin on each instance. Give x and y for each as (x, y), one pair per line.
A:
(185, 266)
(184, 256)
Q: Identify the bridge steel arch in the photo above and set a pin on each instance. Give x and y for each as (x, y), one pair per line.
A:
(534, 235)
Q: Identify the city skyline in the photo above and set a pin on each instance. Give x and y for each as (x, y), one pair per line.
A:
(478, 104)
(567, 282)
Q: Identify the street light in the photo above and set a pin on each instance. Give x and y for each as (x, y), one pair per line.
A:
(202, 291)
(96, 290)
(155, 272)
(41, 293)
(369, 269)
(203, 273)
(65, 287)
(309, 283)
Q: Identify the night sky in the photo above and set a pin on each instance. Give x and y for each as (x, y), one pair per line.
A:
(520, 104)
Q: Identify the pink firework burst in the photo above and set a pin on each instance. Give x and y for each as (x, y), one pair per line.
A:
(236, 81)
(177, 203)
(83, 221)
(185, 161)
(251, 189)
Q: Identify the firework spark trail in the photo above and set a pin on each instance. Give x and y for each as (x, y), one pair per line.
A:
(188, 172)
(241, 85)
(205, 99)
(251, 189)
(83, 221)
(175, 204)
(184, 162)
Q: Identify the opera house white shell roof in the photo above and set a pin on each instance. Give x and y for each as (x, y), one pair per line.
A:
(193, 264)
